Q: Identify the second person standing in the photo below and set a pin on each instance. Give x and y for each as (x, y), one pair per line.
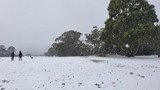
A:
(20, 56)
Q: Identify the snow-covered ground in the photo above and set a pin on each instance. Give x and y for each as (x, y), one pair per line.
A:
(80, 73)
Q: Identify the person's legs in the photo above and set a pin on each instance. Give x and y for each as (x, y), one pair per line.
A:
(12, 58)
(21, 58)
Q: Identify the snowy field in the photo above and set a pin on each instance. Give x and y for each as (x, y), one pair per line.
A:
(80, 73)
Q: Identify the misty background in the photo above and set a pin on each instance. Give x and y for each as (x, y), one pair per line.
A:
(32, 25)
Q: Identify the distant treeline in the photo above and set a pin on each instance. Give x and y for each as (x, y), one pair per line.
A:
(131, 29)
(70, 44)
(6, 52)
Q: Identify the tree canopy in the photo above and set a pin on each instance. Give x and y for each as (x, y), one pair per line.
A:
(130, 23)
(69, 44)
(98, 46)
(6, 52)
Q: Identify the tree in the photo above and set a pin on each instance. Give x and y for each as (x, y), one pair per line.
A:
(145, 49)
(156, 42)
(94, 40)
(52, 50)
(69, 44)
(131, 23)
(3, 51)
(2, 48)
(11, 49)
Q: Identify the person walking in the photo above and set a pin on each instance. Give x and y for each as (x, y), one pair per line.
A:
(12, 56)
(20, 56)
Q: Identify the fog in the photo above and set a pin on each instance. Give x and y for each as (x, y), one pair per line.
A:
(32, 25)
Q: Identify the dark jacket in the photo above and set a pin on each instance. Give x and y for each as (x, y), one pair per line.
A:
(12, 54)
(20, 54)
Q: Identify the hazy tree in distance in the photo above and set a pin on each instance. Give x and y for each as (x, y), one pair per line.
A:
(69, 44)
(130, 24)
(11, 49)
(2, 48)
(52, 50)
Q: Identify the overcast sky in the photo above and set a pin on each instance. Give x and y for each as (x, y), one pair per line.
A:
(32, 25)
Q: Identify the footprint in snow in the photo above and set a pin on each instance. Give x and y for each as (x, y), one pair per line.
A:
(5, 81)
(131, 73)
(63, 84)
(98, 85)
(2, 88)
(79, 84)
(113, 82)
(142, 76)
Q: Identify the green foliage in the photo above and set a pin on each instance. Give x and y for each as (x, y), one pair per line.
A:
(156, 41)
(68, 44)
(131, 22)
(94, 40)
(52, 50)
(145, 49)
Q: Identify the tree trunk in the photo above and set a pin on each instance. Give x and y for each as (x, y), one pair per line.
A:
(158, 52)
(129, 53)
(159, 55)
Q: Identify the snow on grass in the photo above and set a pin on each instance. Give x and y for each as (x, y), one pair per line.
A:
(80, 73)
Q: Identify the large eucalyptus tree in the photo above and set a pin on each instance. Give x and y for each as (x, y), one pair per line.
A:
(130, 24)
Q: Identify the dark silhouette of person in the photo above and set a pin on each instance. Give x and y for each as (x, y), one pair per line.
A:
(12, 56)
(20, 56)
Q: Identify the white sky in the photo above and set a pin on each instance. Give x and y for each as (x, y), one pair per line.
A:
(32, 25)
